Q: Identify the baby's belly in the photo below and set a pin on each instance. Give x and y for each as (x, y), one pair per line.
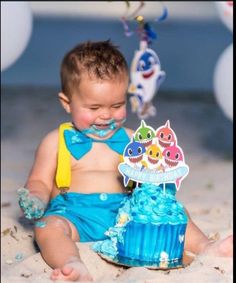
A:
(95, 182)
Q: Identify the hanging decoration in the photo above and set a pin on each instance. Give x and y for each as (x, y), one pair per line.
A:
(145, 72)
(223, 73)
(16, 30)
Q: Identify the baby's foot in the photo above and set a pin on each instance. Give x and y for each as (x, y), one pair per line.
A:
(222, 248)
(72, 271)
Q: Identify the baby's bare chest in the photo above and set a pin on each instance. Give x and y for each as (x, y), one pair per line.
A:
(100, 157)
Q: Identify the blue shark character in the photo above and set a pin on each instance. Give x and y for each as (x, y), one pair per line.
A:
(133, 153)
(146, 78)
(133, 156)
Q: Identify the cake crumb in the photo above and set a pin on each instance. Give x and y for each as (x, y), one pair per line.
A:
(219, 269)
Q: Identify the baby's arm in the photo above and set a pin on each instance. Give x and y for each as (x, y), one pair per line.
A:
(34, 197)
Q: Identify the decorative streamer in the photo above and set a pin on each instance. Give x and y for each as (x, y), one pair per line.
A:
(144, 27)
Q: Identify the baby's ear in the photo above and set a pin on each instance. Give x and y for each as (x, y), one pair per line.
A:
(65, 102)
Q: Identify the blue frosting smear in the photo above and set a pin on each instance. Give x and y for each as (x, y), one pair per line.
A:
(32, 206)
(148, 203)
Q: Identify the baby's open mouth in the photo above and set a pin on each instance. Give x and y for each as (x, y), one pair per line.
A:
(102, 126)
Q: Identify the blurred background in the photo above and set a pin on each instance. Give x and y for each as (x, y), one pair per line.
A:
(35, 36)
(189, 42)
(194, 45)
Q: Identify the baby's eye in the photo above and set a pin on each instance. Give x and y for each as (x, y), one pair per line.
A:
(177, 156)
(169, 137)
(116, 106)
(94, 108)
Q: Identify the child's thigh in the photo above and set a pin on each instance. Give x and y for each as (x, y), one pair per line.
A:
(53, 225)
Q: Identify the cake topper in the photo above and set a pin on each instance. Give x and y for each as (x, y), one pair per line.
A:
(146, 74)
(154, 156)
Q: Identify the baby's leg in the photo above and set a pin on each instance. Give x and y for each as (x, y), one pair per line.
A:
(197, 242)
(56, 241)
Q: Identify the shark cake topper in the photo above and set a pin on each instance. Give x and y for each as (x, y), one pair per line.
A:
(154, 156)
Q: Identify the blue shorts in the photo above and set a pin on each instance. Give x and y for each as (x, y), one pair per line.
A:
(91, 214)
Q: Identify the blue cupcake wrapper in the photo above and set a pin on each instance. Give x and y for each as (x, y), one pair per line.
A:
(147, 242)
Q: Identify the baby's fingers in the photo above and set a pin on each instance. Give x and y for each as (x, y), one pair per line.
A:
(32, 206)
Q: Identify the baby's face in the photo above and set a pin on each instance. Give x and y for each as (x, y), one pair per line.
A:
(99, 105)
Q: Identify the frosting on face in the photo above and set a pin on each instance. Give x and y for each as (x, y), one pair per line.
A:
(112, 126)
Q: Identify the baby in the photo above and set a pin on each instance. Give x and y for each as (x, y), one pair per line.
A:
(74, 188)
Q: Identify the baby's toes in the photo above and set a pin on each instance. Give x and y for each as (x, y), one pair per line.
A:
(55, 273)
(66, 270)
(69, 273)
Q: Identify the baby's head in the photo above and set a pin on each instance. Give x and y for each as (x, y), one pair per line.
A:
(94, 81)
(94, 60)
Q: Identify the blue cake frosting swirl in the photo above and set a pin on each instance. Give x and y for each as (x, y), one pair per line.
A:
(148, 203)
(157, 205)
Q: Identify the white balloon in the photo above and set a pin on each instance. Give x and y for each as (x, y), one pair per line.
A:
(225, 9)
(16, 28)
(223, 81)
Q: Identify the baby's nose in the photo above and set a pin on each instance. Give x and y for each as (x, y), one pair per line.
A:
(106, 114)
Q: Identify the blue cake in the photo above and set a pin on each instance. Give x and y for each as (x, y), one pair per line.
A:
(149, 231)
(150, 224)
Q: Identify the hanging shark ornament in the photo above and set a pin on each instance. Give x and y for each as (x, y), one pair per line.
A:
(146, 78)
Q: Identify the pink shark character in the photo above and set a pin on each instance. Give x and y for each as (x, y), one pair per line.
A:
(173, 155)
(166, 136)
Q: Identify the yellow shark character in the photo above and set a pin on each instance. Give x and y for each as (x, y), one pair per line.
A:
(154, 156)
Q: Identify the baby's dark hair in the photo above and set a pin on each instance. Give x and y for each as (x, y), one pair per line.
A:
(99, 60)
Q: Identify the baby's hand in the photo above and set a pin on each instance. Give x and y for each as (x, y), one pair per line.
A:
(32, 206)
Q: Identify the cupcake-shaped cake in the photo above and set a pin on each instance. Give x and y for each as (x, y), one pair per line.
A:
(151, 224)
(155, 233)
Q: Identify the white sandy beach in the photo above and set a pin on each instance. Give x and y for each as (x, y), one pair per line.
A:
(206, 138)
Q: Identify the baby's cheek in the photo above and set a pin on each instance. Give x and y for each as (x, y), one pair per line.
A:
(121, 114)
(83, 120)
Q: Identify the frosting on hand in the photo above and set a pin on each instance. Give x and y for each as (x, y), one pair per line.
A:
(32, 206)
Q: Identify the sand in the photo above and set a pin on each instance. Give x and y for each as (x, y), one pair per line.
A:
(206, 137)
